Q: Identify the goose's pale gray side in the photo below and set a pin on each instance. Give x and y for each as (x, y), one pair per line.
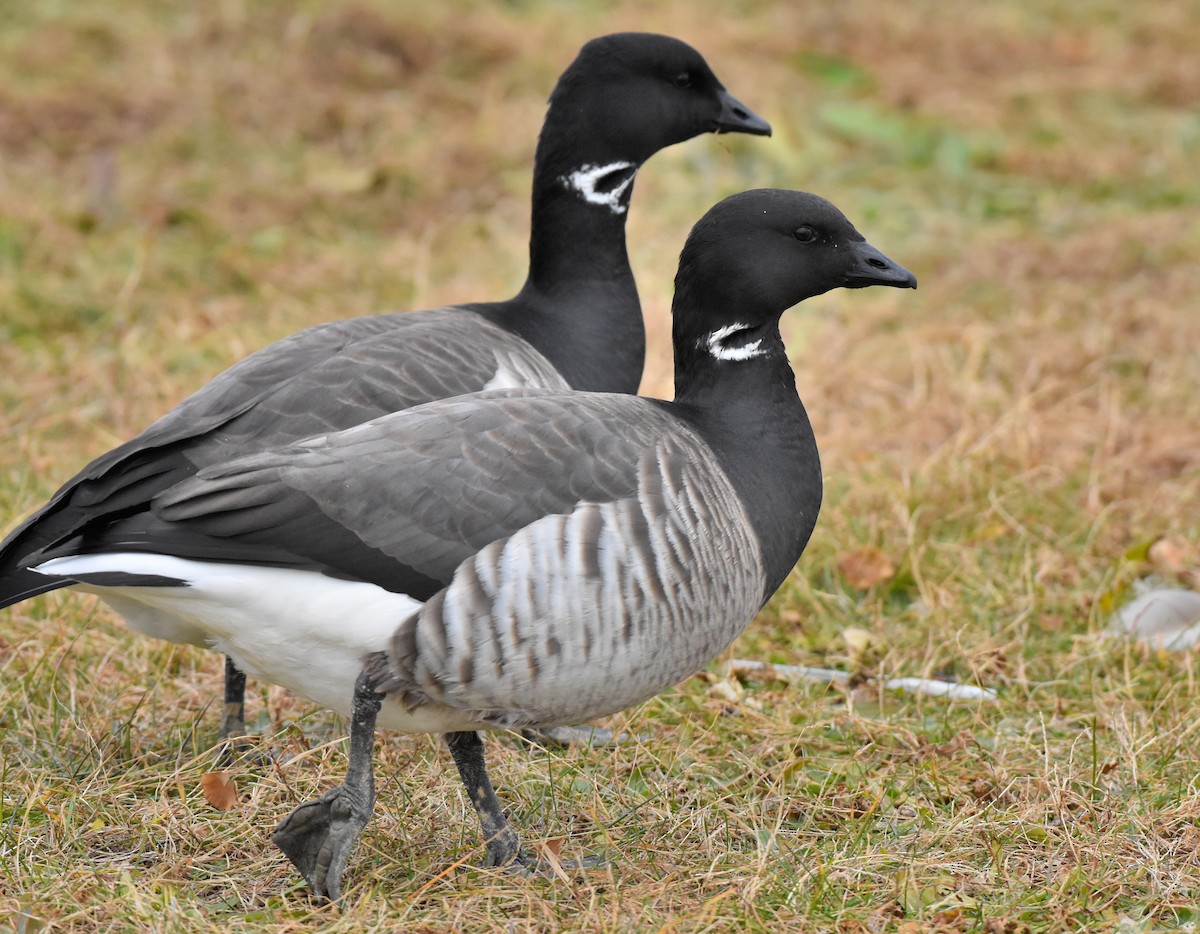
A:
(585, 613)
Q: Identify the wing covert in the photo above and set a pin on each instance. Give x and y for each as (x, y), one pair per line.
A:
(426, 488)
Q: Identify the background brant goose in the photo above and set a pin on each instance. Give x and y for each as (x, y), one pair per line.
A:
(512, 558)
(576, 323)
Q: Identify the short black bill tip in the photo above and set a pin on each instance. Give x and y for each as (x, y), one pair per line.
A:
(871, 267)
(736, 117)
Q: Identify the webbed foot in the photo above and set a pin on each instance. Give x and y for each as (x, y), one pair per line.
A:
(319, 836)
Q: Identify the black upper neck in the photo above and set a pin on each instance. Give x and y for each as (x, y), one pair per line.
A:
(749, 413)
(579, 306)
(571, 238)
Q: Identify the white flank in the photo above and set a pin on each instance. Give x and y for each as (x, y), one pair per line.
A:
(744, 352)
(585, 179)
(300, 629)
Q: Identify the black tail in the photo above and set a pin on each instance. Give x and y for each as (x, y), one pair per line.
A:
(21, 584)
(115, 485)
(18, 551)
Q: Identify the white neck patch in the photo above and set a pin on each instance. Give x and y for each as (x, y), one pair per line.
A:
(585, 179)
(714, 345)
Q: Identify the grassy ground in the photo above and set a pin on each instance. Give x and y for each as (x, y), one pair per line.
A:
(1018, 440)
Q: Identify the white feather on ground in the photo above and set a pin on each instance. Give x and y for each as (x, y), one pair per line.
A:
(1162, 619)
(924, 686)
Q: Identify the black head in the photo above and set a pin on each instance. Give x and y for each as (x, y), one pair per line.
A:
(756, 254)
(628, 95)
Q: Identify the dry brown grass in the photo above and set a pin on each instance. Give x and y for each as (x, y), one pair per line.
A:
(182, 183)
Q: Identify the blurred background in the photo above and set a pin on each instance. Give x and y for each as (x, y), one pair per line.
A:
(1006, 450)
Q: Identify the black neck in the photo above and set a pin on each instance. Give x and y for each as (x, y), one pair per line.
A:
(749, 413)
(579, 306)
(571, 239)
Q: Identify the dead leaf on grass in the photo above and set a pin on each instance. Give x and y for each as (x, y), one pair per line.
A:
(1173, 555)
(551, 852)
(866, 567)
(861, 645)
(220, 790)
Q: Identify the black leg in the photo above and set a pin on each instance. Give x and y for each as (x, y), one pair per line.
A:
(233, 714)
(503, 846)
(319, 836)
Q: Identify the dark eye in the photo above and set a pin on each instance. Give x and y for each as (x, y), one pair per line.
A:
(683, 79)
(805, 234)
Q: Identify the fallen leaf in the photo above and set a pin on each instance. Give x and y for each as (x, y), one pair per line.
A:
(858, 641)
(866, 567)
(220, 790)
(727, 689)
(1053, 567)
(551, 850)
(1051, 622)
(344, 181)
(1171, 554)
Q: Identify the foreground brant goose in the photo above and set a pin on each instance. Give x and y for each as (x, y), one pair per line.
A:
(576, 323)
(512, 558)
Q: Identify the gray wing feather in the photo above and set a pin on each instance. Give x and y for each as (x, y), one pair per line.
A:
(585, 613)
(323, 379)
(430, 486)
(343, 373)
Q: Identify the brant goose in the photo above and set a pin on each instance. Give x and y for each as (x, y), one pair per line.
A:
(576, 323)
(511, 558)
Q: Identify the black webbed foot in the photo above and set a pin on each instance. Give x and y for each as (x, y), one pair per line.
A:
(320, 836)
